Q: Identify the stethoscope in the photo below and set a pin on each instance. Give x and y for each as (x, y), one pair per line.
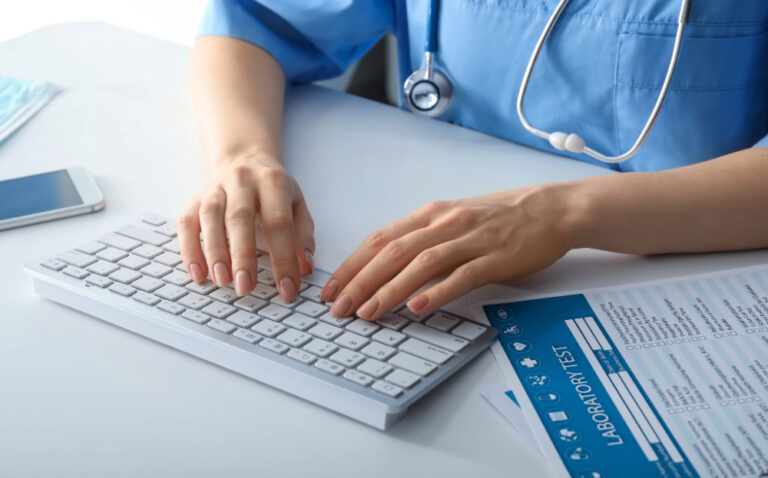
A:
(428, 92)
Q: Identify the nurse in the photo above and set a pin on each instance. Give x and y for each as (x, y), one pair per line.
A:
(698, 182)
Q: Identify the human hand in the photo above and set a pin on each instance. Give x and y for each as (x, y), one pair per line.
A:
(242, 192)
(475, 241)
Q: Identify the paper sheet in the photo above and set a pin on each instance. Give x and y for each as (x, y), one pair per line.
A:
(667, 378)
(503, 400)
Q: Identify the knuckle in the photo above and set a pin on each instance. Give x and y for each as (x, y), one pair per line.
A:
(377, 240)
(434, 207)
(241, 173)
(428, 258)
(185, 222)
(395, 250)
(278, 221)
(243, 255)
(272, 176)
(467, 272)
(239, 213)
(459, 216)
(211, 206)
(284, 263)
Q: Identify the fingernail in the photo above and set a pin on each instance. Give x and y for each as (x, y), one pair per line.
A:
(310, 259)
(196, 273)
(287, 288)
(221, 274)
(329, 291)
(341, 306)
(418, 303)
(242, 282)
(369, 308)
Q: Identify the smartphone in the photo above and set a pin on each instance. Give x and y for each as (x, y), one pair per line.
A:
(48, 196)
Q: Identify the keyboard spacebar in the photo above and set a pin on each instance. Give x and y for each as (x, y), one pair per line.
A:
(435, 337)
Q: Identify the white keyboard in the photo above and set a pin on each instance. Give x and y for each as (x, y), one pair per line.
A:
(133, 277)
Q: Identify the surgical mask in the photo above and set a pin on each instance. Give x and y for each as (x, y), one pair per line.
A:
(20, 100)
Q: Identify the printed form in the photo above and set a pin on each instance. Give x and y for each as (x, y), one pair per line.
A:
(666, 378)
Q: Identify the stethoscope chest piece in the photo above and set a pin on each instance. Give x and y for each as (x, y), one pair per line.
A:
(427, 91)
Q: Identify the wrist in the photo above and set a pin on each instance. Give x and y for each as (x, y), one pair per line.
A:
(254, 157)
(571, 204)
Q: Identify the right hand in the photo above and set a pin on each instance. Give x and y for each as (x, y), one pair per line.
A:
(242, 192)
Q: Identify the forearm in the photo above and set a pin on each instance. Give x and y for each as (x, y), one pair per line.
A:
(717, 205)
(238, 91)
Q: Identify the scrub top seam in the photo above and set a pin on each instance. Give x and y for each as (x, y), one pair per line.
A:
(647, 86)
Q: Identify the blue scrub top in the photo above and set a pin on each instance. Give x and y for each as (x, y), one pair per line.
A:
(598, 76)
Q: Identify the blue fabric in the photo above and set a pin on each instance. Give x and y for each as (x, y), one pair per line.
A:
(20, 100)
(599, 73)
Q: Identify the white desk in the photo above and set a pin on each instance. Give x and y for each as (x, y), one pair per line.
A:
(79, 397)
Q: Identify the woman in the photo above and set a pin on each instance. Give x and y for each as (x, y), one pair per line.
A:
(696, 185)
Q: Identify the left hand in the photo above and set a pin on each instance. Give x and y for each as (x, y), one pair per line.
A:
(474, 241)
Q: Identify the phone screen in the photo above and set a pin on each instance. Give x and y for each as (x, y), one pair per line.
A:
(37, 193)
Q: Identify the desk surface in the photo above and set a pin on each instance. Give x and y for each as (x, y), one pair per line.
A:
(83, 398)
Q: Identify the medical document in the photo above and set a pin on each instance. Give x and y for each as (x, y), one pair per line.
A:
(666, 378)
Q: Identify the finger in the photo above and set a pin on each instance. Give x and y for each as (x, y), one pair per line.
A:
(366, 251)
(188, 230)
(465, 278)
(240, 220)
(427, 265)
(385, 265)
(277, 222)
(214, 237)
(304, 230)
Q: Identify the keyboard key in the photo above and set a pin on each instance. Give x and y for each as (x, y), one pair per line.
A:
(378, 351)
(328, 366)
(247, 336)
(145, 298)
(312, 309)
(402, 378)
(219, 310)
(91, 247)
(152, 219)
(347, 358)
(169, 259)
(299, 321)
(196, 316)
(221, 326)
(274, 312)
(171, 292)
(469, 331)
(242, 318)
(119, 242)
(77, 259)
(167, 230)
(75, 272)
(302, 286)
(279, 301)
(133, 262)
(412, 364)
(435, 337)
(268, 328)
(351, 341)
(362, 327)
(170, 307)
(194, 301)
(102, 268)
(325, 331)
(358, 378)
(329, 319)
(111, 254)
(126, 276)
(375, 368)
(146, 251)
(294, 338)
(147, 284)
(387, 389)
(143, 235)
(178, 278)
(264, 292)
(205, 288)
(312, 293)
(320, 347)
(249, 303)
(302, 356)
(156, 270)
(53, 264)
(122, 289)
(98, 281)
(389, 337)
(406, 312)
(426, 351)
(267, 277)
(392, 321)
(172, 246)
(224, 294)
(274, 345)
(442, 321)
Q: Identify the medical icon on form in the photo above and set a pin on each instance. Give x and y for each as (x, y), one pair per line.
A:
(503, 314)
(591, 474)
(579, 454)
(529, 362)
(547, 396)
(538, 380)
(558, 416)
(519, 346)
(512, 330)
(568, 435)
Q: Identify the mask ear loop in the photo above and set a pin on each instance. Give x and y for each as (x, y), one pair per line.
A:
(573, 142)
